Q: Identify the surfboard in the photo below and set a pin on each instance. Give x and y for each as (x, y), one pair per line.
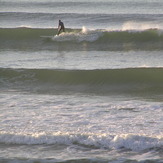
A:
(46, 36)
(50, 37)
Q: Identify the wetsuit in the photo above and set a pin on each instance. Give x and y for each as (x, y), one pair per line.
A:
(60, 27)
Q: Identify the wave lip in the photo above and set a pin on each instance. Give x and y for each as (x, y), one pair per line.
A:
(126, 141)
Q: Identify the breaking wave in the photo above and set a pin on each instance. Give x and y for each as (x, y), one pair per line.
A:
(29, 38)
(126, 141)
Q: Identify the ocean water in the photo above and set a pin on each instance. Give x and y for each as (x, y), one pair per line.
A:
(94, 94)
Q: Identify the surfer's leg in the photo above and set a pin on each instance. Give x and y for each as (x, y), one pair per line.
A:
(59, 31)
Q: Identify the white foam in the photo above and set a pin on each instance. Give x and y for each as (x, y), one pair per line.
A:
(84, 35)
(127, 141)
(85, 30)
(139, 26)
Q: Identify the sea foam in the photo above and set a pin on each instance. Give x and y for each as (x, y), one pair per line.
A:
(122, 141)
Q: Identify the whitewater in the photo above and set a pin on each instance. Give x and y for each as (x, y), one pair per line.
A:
(93, 94)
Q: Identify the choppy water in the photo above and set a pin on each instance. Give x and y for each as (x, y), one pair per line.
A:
(93, 94)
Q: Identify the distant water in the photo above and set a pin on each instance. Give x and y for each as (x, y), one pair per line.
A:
(105, 14)
(94, 94)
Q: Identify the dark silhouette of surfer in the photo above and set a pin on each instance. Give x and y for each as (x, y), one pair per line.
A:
(61, 27)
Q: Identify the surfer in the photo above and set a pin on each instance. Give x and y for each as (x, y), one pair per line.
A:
(60, 27)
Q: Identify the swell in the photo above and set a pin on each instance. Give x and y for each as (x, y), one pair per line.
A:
(103, 76)
(80, 39)
(95, 18)
(130, 80)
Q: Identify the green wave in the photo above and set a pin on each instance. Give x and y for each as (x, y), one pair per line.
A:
(142, 80)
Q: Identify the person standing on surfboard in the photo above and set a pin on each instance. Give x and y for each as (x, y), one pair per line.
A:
(60, 27)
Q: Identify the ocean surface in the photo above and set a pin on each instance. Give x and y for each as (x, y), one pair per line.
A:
(94, 94)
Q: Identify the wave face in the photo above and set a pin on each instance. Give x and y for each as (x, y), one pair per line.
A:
(144, 80)
(80, 39)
